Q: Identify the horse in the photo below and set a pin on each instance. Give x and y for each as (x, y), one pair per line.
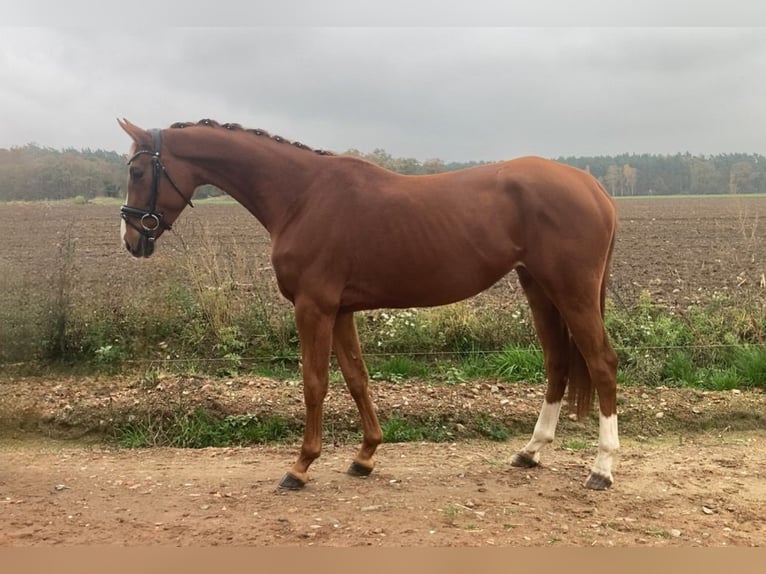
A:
(347, 236)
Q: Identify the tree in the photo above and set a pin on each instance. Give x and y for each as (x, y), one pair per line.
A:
(433, 166)
(704, 177)
(741, 178)
(629, 177)
(613, 180)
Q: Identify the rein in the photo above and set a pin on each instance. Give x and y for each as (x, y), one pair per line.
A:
(150, 219)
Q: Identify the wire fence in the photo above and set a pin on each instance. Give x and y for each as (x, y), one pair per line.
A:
(277, 358)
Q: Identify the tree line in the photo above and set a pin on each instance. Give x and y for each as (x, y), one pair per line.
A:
(679, 174)
(32, 172)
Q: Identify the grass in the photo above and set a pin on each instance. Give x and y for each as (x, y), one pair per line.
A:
(398, 367)
(396, 429)
(749, 363)
(574, 444)
(519, 364)
(200, 429)
(451, 513)
(740, 367)
(492, 429)
(658, 533)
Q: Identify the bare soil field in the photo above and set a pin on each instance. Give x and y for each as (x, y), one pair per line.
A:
(680, 249)
(691, 470)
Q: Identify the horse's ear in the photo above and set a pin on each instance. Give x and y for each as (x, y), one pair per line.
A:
(138, 134)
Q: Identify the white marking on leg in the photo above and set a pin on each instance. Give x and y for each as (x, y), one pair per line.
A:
(608, 445)
(545, 429)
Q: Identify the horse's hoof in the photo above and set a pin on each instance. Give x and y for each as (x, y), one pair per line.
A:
(523, 460)
(598, 481)
(357, 469)
(291, 482)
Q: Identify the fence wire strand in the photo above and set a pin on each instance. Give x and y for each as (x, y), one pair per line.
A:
(420, 354)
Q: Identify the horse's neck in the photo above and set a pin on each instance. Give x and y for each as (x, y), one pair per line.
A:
(265, 176)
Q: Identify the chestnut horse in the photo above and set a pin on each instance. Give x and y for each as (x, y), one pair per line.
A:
(347, 235)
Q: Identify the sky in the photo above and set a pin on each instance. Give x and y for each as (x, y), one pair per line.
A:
(418, 80)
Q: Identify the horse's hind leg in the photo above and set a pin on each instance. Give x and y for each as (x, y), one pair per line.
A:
(554, 339)
(349, 355)
(587, 327)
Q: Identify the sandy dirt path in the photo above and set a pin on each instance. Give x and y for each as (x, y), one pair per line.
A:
(708, 490)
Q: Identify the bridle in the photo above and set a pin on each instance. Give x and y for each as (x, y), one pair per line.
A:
(150, 219)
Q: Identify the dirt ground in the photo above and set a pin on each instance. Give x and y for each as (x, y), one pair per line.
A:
(691, 471)
(704, 491)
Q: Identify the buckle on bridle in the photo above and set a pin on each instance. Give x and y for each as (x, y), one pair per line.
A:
(153, 218)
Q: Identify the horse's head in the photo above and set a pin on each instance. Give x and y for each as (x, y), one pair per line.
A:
(154, 199)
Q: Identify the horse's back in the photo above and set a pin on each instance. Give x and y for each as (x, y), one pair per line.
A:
(395, 241)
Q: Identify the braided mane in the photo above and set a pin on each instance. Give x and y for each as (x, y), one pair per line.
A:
(257, 132)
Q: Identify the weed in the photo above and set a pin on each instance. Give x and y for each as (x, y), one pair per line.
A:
(199, 428)
(57, 341)
(451, 513)
(679, 369)
(453, 375)
(721, 380)
(750, 365)
(397, 429)
(397, 368)
(658, 533)
(574, 444)
(492, 429)
(108, 354)
(519, 364)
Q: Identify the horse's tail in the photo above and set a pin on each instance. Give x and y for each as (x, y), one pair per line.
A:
(605, 277)
(581, 388)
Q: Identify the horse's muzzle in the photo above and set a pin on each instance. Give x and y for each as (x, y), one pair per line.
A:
(144, 248)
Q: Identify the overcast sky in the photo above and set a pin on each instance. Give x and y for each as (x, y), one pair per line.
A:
(455, 93)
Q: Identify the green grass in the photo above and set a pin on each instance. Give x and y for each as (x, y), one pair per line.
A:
(492, 429)
(396, 429)
(721, 380)
(750, 365)
(398, 367)
(200, 429)
(679, 369)
(574, 444)
(657, 533)
(519, 364)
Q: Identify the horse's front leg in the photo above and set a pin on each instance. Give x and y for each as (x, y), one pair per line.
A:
(315, 332)
(349, 355)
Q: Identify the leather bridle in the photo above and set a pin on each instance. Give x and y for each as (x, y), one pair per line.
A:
(150, 219)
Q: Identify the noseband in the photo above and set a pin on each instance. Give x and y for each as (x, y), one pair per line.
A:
(150, 219)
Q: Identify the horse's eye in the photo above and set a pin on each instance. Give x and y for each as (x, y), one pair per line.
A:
(136, 173)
